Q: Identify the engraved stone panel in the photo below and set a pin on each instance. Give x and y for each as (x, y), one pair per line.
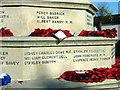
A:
(50, 62)
(23, 20)
(23, 17)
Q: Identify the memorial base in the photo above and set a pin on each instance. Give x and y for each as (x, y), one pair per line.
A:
(56, 84)
(75, 51)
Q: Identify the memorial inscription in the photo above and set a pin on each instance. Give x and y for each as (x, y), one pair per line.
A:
(52, 17)
(30, 18)
(52, 54)
(3, 16)
(70, 58)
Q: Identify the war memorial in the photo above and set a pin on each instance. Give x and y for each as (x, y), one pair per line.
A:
(43, 39)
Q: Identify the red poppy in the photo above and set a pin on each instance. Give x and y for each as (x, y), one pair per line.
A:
(5, 32)
(67, 33)
(117, 59)
(94, 75)
(83, 33)
(108, 33)
(48, 32)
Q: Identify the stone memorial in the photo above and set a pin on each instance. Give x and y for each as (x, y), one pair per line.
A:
(40, 60)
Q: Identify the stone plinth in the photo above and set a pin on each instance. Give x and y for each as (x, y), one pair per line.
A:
(56, 85)
(36, 57)
(23, 17)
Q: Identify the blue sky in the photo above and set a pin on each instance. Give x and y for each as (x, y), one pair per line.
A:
(111, 4)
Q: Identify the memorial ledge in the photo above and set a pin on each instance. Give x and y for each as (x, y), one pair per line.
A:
(50, 41)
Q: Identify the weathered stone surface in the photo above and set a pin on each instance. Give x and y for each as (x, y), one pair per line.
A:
(39, 60)
(24, 60)
(23, 17)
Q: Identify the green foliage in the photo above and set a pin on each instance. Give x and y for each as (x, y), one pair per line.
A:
(117, 49)
(104, 15)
